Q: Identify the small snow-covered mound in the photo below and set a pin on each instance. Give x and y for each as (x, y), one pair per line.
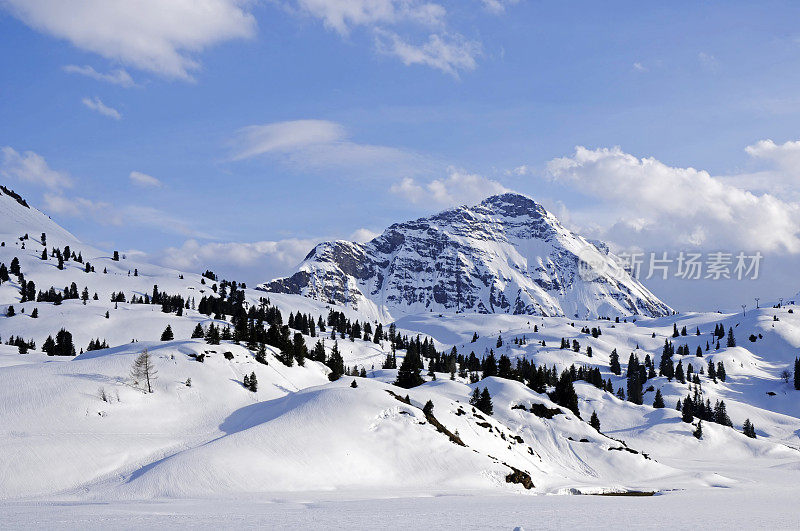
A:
(68, 423)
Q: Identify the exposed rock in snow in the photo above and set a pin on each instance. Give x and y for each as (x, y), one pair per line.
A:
(506, 255)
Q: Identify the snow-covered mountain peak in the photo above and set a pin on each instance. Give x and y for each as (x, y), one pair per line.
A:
(507, 254)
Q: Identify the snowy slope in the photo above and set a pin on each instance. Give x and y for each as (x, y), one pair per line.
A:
(301, 433)
(505, 255)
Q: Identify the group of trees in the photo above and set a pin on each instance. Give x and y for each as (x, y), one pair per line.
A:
(482, 400)
(693, 406)
(61, 346)
(251, 382)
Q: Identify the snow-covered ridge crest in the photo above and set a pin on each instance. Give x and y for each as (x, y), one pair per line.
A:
(507, 254)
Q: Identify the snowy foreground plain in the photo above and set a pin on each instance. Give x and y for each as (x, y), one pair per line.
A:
(305, 452)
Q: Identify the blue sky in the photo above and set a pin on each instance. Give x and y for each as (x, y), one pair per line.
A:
(255, 128)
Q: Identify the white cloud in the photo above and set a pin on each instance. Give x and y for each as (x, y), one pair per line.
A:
(342, 16)
(497, 6)
(31, 167)
(786, 155)
(117, 77)
(154, 35)
(363, 235)
(285, 137)
(647, 202)
(142, 179)
(448, 53)
(98, 106)
(80, 207)
(639, 67)
(707, 60)
(252, 261)
(104, 213)
(415, 31)
(457, 189)
(321, 145)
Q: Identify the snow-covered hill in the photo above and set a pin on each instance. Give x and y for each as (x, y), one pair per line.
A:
(83, 429)
(505, 255)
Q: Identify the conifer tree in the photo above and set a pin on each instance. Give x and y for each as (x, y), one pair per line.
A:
(698, 432)
(253, 382)
(565, 395)
(167, 335)
(144, 371)
(198, 332)
(614, 363)
(731, 339)
(797, 373)
(408, 375)
(335, 363)
(721, 371)
(687, 410)
(485, 402)
(748, 429)
(658, 401)
(594, 421)
(476, 397)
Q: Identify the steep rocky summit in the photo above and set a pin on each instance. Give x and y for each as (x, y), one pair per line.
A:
(505, 255)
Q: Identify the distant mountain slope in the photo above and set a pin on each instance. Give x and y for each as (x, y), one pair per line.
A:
(505, 255)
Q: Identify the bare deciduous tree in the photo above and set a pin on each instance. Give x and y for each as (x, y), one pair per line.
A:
(785, 374)
(144, 371)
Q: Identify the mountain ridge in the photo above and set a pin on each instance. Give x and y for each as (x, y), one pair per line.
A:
(507, 254)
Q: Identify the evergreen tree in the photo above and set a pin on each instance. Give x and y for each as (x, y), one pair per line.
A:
(167, 335)
(485, 402)
(634, 382)
(564, 393)
(658, 401)
(721, 371)
(687, 410)
(10, 312)
(721, 414)
(198, 332)
(335, 363)
(354, 384)
(594, 422)
(748, 429)
(666, 368)
(489, 365)
(212, 335)
(797, 373)
(408, 375)
(731, 339)
(698, 432)
(679, 372)
(475, 399)
(253, 382)
(614, 363)
(35, 313)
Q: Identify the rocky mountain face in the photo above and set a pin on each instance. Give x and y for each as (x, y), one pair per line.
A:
(505, 255)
